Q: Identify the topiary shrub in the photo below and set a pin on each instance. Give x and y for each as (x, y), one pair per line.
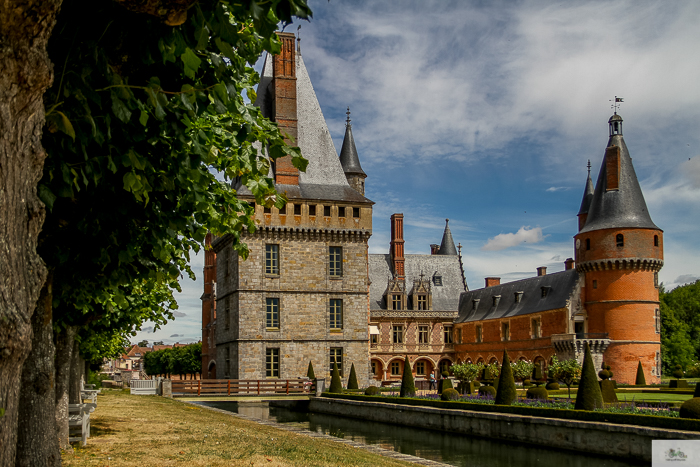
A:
(505, 392)
(336, 382)
(604, 374)
(445, 384)
(588, 396)
(609, 371)
(640, 380)
(449, 395)
(552, 386)
(527, 383)
(372, 391)
(691, 408)
(352, 380)
(607, 390)
(678, 372)
(408, 386)
(487, 391)
(537, 392)
(310, 372)
(445, 374)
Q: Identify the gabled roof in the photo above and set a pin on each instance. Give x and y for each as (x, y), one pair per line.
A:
(623, 207)
(447, 246)
(500, 301)
(324, 177)
(445, 297)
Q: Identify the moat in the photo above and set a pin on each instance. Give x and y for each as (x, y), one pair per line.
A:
(438, 446)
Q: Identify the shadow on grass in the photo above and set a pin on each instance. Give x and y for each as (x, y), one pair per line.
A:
(99, 429)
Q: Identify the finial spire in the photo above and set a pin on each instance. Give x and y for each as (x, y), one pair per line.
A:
(347, 120)
(616, 104)
(299, 39)
(589, 168)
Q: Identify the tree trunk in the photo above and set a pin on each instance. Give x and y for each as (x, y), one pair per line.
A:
(25, 26)
(37, 444)
(64, 356)
(77, 367)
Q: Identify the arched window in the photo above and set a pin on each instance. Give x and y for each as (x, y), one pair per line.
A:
(588, 244)
(620, 240)
(656, 240)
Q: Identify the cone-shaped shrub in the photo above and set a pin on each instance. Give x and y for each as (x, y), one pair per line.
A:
(352, 380)
(505, 393)
(588, 396)
(336, 382)
(408, 387)
(310, 372)
(640, 380)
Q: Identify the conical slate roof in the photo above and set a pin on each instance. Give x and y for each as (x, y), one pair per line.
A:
(587, 193)
(447, 247)
(623, 207)
(348, 153)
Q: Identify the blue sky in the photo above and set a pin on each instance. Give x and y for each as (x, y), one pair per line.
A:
(486, 113)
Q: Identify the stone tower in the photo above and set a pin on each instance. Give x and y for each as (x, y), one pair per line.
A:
(350, 161)
(619, 250)
(302, 294)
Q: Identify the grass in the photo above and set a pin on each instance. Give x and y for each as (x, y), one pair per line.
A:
(154, 431)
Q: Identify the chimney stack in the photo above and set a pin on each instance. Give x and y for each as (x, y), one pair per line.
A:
(542, 271)
(396, 250)
(284, 105)
(434, 249)
(491, 281)
(569, 264)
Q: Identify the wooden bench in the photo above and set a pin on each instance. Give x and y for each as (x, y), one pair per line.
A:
(79, 422)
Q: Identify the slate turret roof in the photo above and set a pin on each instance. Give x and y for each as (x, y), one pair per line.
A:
(447, 246)
(501, 301)
(621, 208)
(348, 153)
(587, 193)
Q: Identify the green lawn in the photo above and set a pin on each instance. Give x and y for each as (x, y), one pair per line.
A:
(629, 396)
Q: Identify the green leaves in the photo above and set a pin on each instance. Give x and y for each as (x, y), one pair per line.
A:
(191, 62)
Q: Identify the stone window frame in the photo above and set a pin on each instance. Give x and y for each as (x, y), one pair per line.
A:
(397, 334)
(273, 363)
(270, 318)
(355, 213)
(447, 336)
(312, 210)
(479, 333)
(341, 211)
(373, 367)
(423, 334)
(459, 335)
(335, 261)
(227, 362)
(336, 354)
(536, 327)
(395, 368)
(505, 331)
(421, 301)
(420, 368)
(335, 314)
(227, 314)
(296, 210)
(396, 299)
(657, 321)
(619, 240)
(327, 212)
(272, 259)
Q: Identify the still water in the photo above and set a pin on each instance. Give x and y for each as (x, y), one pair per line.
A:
(453, 449)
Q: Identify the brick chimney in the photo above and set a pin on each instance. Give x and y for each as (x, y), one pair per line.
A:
(569, 264)
(542, 271)
(396, 250)
(284, 105)
(434, 249)
(491, 281)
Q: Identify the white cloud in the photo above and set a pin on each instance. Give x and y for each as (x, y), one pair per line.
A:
(178, 314)
(509, 240)
(557, 188)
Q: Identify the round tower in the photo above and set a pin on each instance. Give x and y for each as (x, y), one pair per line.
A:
(350, 160)
(619, 250)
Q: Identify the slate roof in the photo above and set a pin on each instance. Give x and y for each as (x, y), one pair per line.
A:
(348, 153)
(324, 178)
(561, 286)
(587, 195)
(447, 246)
(622, 208)
(445, 297)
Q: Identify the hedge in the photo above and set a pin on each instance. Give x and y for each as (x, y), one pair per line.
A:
(649, 421)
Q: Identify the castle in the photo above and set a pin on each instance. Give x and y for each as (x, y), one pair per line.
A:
(310, 291)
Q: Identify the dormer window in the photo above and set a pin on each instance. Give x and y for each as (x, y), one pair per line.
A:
(437, 280)
(475, 303)
(518, 296)
(421, 302)
(496, 300)
(545, 290)
(396, 302)
(620, 240)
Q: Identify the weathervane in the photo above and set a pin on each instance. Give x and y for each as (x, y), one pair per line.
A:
(589, 168)
(299, 39)
(616, 104)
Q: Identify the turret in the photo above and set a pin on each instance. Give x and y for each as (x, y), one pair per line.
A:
(350, 160)
(447, 246)
(620, 251)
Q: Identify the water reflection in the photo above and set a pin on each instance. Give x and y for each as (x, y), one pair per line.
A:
(454, 449)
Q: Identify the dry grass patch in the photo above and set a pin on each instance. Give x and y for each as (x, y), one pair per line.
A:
(154, 431)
